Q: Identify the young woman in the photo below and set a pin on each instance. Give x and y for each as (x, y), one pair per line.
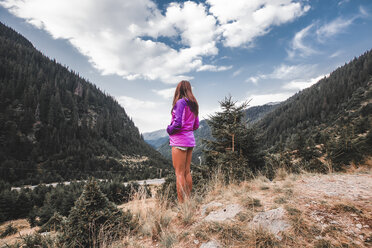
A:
(185, 120)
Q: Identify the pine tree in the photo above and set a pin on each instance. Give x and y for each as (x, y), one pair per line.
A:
(92, 215)
(235, 146)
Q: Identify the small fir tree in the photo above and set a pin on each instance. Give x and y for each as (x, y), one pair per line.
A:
(93, 216)
(235, 146)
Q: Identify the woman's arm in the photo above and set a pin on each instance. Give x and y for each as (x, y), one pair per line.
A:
(196, 123)
(177, 122)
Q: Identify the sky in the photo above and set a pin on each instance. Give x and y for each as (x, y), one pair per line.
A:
(137, 51)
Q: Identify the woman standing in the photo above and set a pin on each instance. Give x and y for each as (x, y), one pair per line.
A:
(185, 110)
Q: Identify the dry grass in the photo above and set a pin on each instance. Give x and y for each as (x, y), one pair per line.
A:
(234, 234)
(316, 221)
(187, 211)
(281, 174)
(249, 202)
(23, 228)
(364, 168)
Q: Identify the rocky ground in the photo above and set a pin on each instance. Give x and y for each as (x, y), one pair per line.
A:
(307, 210)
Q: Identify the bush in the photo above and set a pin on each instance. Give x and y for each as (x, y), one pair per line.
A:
(55, 223)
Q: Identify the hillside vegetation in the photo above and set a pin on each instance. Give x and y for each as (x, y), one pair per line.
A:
(331, 119)
(55, 125)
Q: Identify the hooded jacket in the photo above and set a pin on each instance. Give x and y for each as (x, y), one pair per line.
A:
(183, 123)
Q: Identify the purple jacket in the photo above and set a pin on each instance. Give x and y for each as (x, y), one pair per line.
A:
(183, 123)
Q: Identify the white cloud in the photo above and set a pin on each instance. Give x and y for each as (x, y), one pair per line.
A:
(302, 84)
(306, 39)
(206, 112)
(298, 46)
(120, 37)
(286, 72)
(242, 21)
(332, 28)
(128, 102)
(147, 115)
(262, 99)
(237, 72)
(213, 68)
(255, 79)
(165, 93)
(343, 2)
(363, 12)
(335, 54)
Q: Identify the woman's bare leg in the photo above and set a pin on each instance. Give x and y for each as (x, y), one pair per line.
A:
(188, 173)
(179, 164)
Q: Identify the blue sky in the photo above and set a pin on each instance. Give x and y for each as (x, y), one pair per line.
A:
(137, 51)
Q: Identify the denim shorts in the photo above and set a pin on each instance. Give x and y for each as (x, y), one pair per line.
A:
(183, 148)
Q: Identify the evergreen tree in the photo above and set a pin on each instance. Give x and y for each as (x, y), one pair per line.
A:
(92, 215)
(234, 147)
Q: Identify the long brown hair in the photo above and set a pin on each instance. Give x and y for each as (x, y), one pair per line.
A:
(184, 90)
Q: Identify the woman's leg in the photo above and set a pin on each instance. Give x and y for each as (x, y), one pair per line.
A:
(179, 164)
(188, 173)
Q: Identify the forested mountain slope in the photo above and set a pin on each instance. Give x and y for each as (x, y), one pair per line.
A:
(55, 125)
(334, 116)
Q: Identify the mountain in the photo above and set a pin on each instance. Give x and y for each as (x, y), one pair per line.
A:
(333, 116)
(55, 125)
(252, 115)
(156, 138)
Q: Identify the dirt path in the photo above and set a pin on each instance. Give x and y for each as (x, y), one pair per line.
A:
(348, 187)
(338, 202)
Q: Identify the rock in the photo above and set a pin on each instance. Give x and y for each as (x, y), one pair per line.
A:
(196, 241)
(366, 226)
(229, 212)
(210, 205)
(211, 244)
(359, 226)
(272, 220)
